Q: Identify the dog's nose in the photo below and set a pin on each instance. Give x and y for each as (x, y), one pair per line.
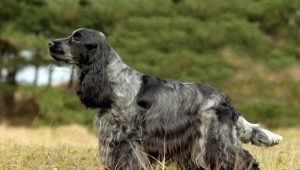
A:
(51, 43)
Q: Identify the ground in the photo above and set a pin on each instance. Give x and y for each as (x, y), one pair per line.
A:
(75, 147)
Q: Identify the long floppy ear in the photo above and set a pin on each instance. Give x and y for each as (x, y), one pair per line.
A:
(94, 89)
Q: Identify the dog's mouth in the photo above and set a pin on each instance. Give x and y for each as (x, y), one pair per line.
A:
(60, 56)
(57, 53)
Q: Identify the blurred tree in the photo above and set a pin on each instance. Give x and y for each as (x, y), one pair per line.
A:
(72, 77)
(9, 66)
(179, 39)
(84, 2)
(50, 72)
(13, 40)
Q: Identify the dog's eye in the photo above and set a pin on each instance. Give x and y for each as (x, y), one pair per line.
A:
(76, 39)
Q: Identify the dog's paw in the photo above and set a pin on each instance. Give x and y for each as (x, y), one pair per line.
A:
(263, 137)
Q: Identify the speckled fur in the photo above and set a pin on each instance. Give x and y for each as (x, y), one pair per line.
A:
(142, 118)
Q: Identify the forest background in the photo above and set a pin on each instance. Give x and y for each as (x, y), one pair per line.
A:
(250, 50)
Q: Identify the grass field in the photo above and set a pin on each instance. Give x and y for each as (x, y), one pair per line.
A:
(74, 147)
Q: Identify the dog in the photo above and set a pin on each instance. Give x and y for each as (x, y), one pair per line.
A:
(142, 118)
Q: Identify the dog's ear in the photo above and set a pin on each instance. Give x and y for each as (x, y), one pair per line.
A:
(94, 87)
(91, 46)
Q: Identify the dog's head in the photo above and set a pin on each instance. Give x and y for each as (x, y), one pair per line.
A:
(87, 49)
(83, 47)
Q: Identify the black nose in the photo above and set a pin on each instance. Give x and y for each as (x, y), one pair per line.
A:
(51, 43)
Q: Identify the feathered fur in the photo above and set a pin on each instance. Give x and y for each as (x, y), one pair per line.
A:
(142, 118)
(93, 88)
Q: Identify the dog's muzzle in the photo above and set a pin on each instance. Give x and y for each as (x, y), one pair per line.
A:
(56, 50)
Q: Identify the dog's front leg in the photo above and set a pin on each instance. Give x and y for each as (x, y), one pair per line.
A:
(131, 156)
(119, 147)
(123, 155)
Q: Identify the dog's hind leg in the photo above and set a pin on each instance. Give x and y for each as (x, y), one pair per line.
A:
(223, 156)
(254, 133)
(218, 147)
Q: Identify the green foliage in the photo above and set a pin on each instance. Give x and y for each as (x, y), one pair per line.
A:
(271, 112)
(57, 106)
(277, 59)
(174, 39)
(54, 106)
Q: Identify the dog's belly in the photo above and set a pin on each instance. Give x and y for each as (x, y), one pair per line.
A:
(164, 138)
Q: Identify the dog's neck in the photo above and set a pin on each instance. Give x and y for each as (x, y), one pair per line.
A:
(115, 86)
(125, 80)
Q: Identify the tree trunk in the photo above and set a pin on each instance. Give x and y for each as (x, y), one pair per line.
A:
(50, 75)
(8, 102)
(11, 76)
(1, 61)
(71, 81)
(7, 95)
(36, 75)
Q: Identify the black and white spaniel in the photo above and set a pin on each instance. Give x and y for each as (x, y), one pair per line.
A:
(142, 118)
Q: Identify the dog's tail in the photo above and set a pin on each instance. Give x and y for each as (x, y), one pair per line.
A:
(248, 132)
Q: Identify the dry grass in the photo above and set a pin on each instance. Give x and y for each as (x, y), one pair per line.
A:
(74, 147)
(285, 156)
